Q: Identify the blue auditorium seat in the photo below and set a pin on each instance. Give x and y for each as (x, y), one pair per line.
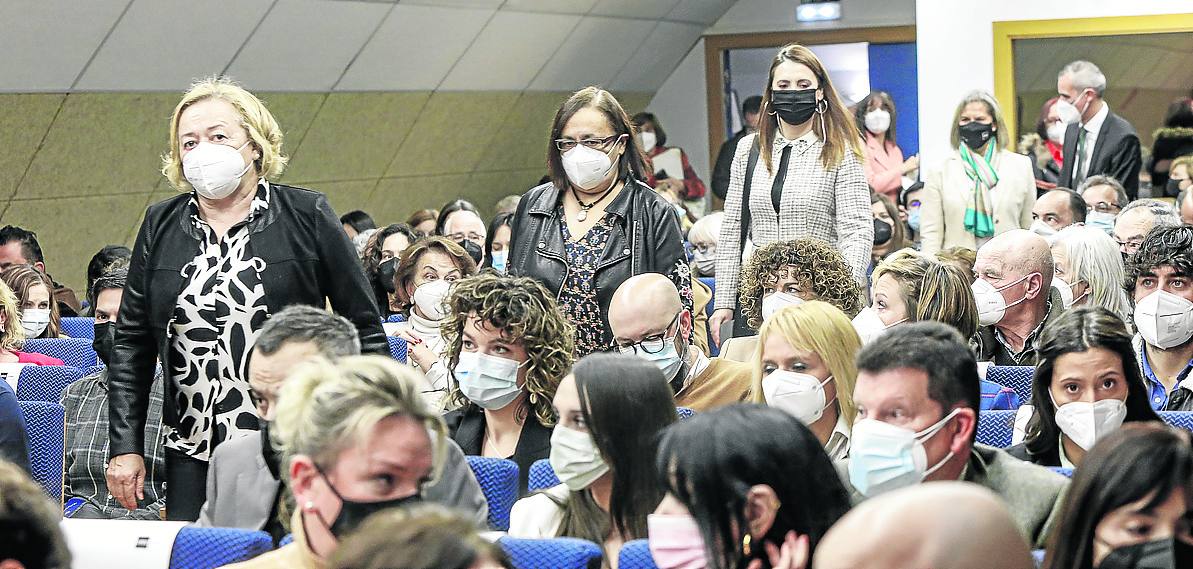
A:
(636, 555)
(395, 318)
(397, 348)
(995, 428)
(78, 327)
(541, 476)
(75, 352)
(684, 412)
(1181, 419)
(498, 479)
(1016, 377)
(208, 548)
(45, 383)
(46, 423)
(557, 553)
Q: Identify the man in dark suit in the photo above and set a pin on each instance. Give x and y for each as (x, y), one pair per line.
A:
(1097, 141)
(720, 173)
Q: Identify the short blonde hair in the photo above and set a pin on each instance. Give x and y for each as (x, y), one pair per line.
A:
(932, 290)
(1186, 161)
(325, 408)
(707, 229)
(821, 328)
(1001, 136)
(13, 333)
(263, 130)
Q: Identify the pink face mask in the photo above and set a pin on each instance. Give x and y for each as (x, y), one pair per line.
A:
(675, 542)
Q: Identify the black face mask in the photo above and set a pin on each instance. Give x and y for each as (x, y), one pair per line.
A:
(385, 274)
(352, 513)
(105, 336)
(794, 107)
(475, 251)
(270, 454)
(1173, 188)
(975, 134)
(883, 232)
(1159, 554)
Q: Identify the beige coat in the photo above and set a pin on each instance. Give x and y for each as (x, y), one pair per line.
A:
(947, 192)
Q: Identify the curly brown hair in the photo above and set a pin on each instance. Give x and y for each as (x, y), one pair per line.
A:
(523, 310)
(404, 275)
(820, 269)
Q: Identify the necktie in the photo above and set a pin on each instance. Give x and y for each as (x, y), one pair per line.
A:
(776, 188)
(1080, 165)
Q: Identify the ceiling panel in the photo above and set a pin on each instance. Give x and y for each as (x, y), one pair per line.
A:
(551, 6)
(706, 12)
(76, 29)
(510, 51)
(414, 49)
(166, 44)
(650, 9)
(592, 54)
(657, 57)
(281, 55)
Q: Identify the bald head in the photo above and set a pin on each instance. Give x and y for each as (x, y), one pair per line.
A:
(644, 305)
(938, 525)
(1020, 252)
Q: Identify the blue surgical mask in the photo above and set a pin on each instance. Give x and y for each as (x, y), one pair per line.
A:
(913, 219)
(1101, 220)
(661, 353)
(489, 381)
(497, 260)
(884, 457)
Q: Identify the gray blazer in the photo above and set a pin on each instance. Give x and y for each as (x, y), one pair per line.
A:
(241, 490)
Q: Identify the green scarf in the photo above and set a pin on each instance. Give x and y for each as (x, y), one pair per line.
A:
(979, 218)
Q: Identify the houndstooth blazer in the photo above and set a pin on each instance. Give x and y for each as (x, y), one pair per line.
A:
(832, 205)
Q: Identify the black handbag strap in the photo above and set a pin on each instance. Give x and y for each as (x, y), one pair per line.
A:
(745, 196)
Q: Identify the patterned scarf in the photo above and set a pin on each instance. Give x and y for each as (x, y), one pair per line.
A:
(979, 219)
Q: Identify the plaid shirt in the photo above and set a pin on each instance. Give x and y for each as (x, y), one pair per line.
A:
(830, 205)
(86, 403)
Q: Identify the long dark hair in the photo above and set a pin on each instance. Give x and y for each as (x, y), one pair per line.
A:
(711, 461)
(1078, 330)
(501, 220)
(630, 165)
(1128, 465)
(371, 258)
(863, 107)
(626, 403)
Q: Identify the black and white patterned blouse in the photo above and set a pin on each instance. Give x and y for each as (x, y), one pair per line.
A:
(219, 312)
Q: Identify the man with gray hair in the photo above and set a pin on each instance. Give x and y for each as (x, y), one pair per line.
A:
(1104, 198)
(1137, 219)
(1097, 141)
(244, 487)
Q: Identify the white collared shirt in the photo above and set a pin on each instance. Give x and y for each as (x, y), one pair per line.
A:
(699, 364)
(837, 446)
(1091, 137)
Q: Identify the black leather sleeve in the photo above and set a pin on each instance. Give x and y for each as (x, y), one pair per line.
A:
(1125, 164)
(134, 351)
(345, 283)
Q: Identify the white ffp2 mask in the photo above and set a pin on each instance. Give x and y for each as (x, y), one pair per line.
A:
(1086, 423)
(1165, 320)
(215, 170)
(586, 167)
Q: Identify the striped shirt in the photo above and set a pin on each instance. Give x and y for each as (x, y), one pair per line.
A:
(832, 205)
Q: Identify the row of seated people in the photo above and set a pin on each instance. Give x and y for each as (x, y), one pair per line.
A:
(762, 468)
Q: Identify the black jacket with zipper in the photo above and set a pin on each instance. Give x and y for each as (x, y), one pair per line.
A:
(646, 238)
(308, 260)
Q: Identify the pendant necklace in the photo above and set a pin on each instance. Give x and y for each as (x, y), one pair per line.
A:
(583, 215)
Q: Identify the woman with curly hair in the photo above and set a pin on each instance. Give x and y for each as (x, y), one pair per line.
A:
(508, 346)
(791, 272)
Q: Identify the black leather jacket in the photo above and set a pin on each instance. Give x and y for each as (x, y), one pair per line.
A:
(308, 260)
(646, 238)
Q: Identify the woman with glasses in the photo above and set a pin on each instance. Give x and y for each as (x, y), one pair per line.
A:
(595, 224)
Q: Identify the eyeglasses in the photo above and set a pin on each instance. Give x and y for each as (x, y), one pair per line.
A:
(1104, 207)
(652, 344)
(566, 144)
(1129, 246)
(472, 236)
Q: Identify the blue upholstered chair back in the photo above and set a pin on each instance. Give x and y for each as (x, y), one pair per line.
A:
(557, 553)
(75, 352)
(498, 479)
(45, 383)
(995, 428)
(78, 327)
(46, 423)
(636, 555)
(1015, 377)
(208, 548)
